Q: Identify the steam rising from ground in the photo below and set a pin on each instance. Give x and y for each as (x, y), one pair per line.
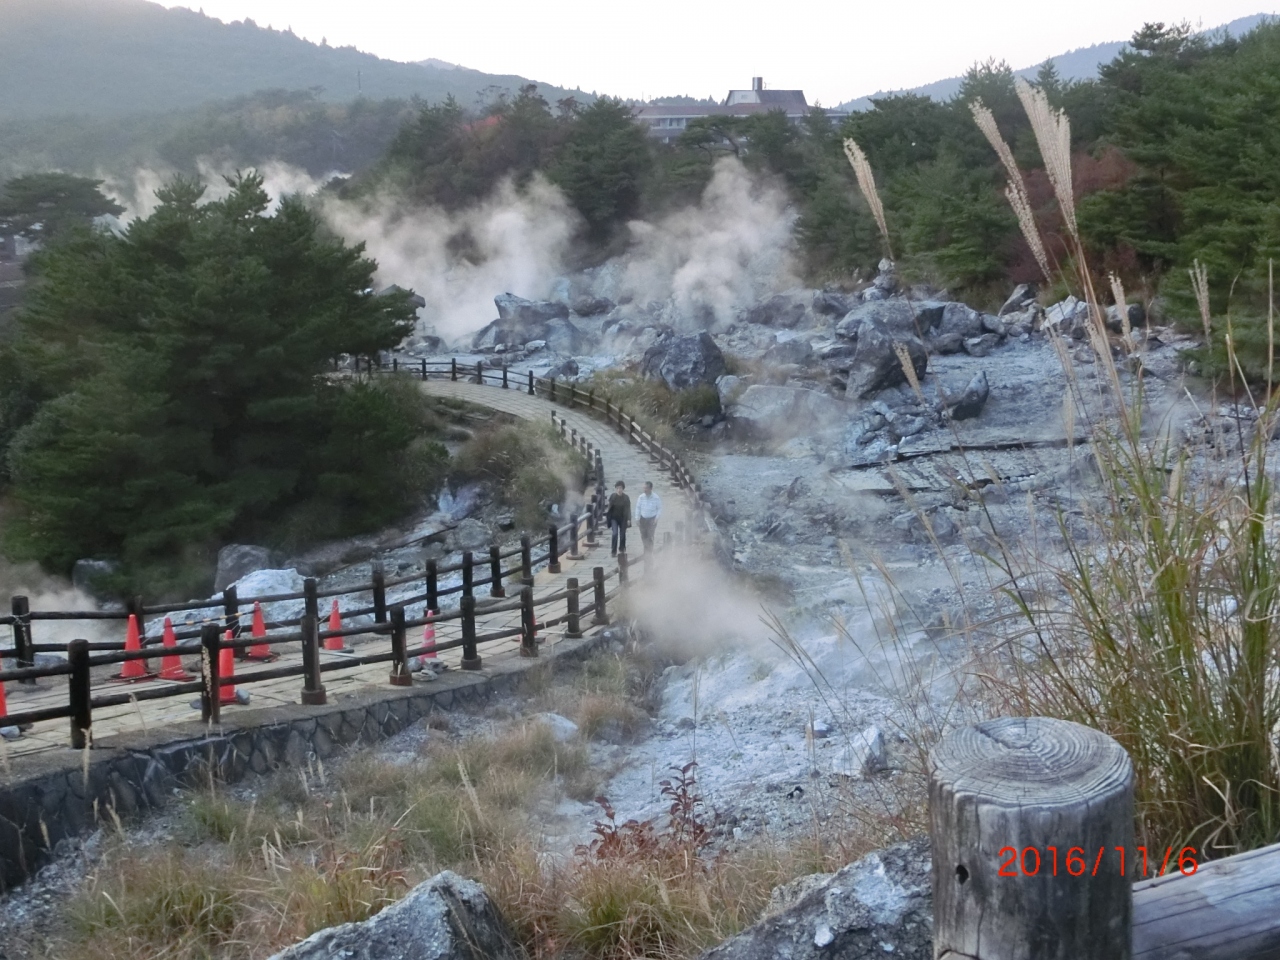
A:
(45, 592)
(138, 193)
(702, 263)
(699, 265)
(718, 256)
(515, 241)
(689, 604)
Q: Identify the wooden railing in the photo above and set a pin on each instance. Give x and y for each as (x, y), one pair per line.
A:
(208, 638)
(573, 397)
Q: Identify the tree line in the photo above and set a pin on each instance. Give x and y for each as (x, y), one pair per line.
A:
(1174, 148)
(167, 389)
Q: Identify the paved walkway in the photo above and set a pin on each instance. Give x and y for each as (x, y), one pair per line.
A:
(621, 460)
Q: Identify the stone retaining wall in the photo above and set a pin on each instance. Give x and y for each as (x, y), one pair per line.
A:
(46, 799)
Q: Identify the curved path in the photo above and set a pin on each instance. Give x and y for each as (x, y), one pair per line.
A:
(622, 460)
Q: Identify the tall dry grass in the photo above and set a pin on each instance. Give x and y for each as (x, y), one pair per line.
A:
(1162, 631)
(1155, 619)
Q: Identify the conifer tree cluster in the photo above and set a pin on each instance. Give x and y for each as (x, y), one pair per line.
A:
(170, 389)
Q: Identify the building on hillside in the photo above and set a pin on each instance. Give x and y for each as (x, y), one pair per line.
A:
(666, 122)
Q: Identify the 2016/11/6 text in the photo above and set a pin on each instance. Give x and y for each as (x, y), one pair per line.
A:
(1074, 862)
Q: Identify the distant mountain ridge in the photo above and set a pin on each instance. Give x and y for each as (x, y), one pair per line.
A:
(1081, 64)
(116, 57)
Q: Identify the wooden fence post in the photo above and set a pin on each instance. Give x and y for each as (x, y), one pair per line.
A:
(22, 651)
(573, 624)
(79, 695)
(531, 383)
(424, 370)
(528, 625)
(505, 385)
(1031, 821)
(379, 594)
(480, 372)
(470, 658)
(574, 552)
(231, 617)
(526, 561)
(468, 574)
(313, 694)
(593, 519)
(400, 676)
(601, 616)
(433, 586)
(622, 568)
(211, 684)
(553, 550)
(311, 602)
(496, 589)
(453, 369)
(551, 395)
(395, 364)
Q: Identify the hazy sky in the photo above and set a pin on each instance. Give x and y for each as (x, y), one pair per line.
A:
(832, 50)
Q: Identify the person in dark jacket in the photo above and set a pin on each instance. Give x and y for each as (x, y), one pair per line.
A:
(619, 516)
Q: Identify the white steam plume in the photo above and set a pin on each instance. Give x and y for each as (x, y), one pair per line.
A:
(718, 256)
(519, 240)
(137, 194)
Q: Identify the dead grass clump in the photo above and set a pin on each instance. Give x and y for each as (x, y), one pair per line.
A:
(529, 469)
(173, 902)
(656, 406)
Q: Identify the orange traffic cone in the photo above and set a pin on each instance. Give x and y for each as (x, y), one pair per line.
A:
(171, 666)
(335, 625)
(226, 672)
(133, 669)
(429, 642)
(259, 651)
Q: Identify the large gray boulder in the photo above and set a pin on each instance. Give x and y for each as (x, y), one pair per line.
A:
(444, 918)
(881, 906)
(973, 399)
(1024, 294)
(898, 315)
(1070, 317)
(729, 388)
(794, 350)
(519, 321)
(517, 310)
(684, 362)
(592, 306)
(564, 337)
(780, 310)
(764, 410)
(236, 560)
(875, 364)
(959, 318)
(831, 303)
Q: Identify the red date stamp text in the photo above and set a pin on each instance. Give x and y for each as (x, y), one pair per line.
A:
(1077, 862)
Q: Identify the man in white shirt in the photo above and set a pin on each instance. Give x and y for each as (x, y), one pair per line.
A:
(648, 509)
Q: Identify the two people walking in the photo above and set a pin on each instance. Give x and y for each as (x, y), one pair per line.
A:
(648, 507)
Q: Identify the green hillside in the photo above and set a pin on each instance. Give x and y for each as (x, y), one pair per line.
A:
(117, 57)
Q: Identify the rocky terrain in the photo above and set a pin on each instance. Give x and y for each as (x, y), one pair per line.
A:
(866, 449)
